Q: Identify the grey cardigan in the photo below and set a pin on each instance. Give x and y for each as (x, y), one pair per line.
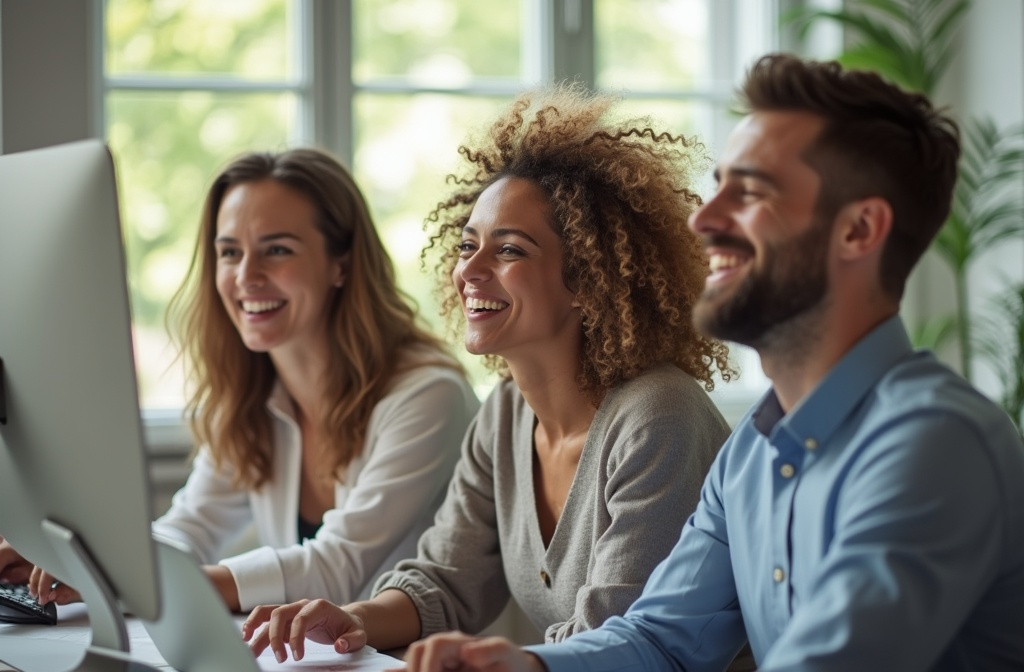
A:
(639, 478)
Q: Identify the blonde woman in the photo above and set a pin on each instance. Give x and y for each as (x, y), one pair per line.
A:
(327, 418)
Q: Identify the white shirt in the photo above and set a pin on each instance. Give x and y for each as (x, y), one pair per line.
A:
(387, 497)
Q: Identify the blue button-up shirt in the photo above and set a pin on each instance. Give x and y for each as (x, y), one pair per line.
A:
(878, 526)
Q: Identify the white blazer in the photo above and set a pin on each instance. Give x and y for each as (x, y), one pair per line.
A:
(388, 497)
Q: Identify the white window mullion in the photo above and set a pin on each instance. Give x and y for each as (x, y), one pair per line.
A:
(573, 40)
(331, 96)
(537, 53)
(97, 54)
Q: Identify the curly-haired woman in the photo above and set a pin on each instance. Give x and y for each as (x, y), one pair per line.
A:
(573, 273)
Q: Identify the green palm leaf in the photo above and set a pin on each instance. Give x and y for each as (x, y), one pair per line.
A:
(934, 333)
(1000, 342)
(898, 11)
(987, 205)
(907, 41)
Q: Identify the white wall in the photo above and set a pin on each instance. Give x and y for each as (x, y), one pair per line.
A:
(986, 78)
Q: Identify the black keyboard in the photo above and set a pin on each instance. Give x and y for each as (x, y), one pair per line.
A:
(17, 606)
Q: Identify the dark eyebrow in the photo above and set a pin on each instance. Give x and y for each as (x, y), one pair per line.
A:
(742, 171)
(270, 237)
(501, 233)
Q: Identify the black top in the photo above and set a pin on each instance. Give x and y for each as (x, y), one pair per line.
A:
(308, 530)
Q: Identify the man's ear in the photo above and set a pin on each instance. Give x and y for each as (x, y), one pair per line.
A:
(864, 226)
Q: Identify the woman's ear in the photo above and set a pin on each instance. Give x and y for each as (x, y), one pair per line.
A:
(864, 226)
(341, 269)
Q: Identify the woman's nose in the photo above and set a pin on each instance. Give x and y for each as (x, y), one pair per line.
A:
(249, 273)
(472, 269)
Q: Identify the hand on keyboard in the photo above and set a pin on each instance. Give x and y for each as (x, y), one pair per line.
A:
(47, 588)
(17, 606)
(13, 567)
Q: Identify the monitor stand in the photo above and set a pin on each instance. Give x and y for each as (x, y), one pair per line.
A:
(109, 649)
(195, 631)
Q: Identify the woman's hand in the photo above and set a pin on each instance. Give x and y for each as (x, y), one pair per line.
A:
(456, 651)
(46, 588)
(319, 620)
(14, 569)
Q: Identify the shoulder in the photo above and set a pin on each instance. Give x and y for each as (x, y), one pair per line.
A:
(922, 418)
(429, 389)
(425, 369)
(661, 417)
(922, 393)
(663, 394)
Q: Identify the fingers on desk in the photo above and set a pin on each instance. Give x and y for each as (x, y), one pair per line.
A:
(438, 652)
(282, 624)
(291, 624)
(495, 653)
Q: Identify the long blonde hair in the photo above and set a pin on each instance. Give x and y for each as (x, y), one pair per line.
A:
(371, 324)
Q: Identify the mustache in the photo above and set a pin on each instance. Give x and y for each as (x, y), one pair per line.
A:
(722, 240)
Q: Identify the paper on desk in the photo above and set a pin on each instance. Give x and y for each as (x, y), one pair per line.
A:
(72, 634)
(324, 657)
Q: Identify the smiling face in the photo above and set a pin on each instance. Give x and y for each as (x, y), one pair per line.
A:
(768, 250)
(509, 275)
(274, 275)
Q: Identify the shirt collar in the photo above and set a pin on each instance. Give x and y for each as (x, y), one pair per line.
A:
(280, 403)
(820, 413)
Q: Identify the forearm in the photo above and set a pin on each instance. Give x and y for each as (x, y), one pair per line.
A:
(390, 619)
(224, 582)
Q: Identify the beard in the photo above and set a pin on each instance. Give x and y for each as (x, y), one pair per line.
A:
(791, 282)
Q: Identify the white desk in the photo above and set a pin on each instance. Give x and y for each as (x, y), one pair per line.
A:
(60, 647)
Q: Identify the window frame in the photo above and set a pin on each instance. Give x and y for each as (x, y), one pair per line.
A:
(562, 46)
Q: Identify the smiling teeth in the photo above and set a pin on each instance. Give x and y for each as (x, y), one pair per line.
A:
(480, 304)
(719, 262)
(260, 306)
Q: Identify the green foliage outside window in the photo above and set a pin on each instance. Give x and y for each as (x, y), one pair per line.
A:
(436, 42)
(193, 83)
(168, 144)
(241, 38)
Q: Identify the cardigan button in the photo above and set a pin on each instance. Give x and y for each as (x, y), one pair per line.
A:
(546, 578)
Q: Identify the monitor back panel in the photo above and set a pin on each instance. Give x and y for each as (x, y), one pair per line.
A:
(71, 449)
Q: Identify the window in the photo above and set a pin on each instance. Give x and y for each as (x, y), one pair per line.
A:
(389, 86)
(187, 86)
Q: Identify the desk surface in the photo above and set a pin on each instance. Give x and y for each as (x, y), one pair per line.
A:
(60, 647)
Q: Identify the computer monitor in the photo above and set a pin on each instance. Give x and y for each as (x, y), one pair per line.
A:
(74, 486)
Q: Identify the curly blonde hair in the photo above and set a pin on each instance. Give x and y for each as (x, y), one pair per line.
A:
(372, 324)
(620, 201)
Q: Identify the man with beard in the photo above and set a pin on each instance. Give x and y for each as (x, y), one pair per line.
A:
(868, 512)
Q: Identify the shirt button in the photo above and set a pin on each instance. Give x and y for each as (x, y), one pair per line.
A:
(787, 470)
(811, 444)
(778, 575)
(546, 578)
